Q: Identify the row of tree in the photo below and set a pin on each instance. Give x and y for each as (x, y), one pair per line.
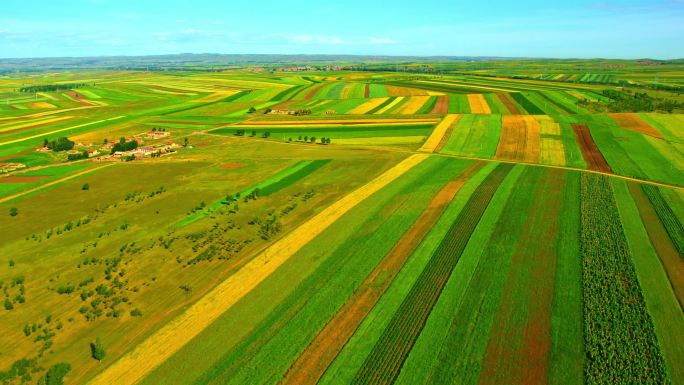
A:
(312, 139)
(51, 87)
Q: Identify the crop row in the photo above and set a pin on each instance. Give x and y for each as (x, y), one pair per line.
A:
(620, 340)
(385, 360)
(674, 227)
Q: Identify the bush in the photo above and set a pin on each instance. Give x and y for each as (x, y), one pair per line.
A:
(13, 212)
(55, 375)
(136, 313)
(85, 187)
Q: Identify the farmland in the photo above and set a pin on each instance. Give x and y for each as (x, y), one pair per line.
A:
(375, 224)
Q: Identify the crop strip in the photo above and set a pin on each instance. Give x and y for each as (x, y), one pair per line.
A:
(314, 361)
(440, 132)
(620, 340)
(657, 231)
(385, 360)
(134, 365)
(667, 217)
(590, 151)
(507, 102)
(442, 105)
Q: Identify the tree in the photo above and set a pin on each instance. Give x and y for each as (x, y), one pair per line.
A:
(251, 110)
(253, 132)
(85, 187)
(306, 138)
(105, 141)
(13, 212)
(97, 350)
(313, 139)
(61, 144)
(186, 142)
(300, 138)
(45, 142)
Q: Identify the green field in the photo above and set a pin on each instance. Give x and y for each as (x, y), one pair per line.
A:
(511, 223)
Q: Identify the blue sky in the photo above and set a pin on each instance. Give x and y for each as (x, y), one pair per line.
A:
(524, 28)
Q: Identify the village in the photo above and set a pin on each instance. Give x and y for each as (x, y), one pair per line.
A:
(125, 149)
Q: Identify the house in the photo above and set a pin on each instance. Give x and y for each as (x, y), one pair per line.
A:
(158, 134)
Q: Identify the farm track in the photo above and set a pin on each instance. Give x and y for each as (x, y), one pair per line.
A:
(136, 364)
(409, 152)
(320, 353)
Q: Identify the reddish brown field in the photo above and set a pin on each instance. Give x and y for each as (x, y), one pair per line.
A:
(313, 91)
(633, 122)
(590, 152)
(519, 345)
(22, 179)
(231, 165)
(509, 104)
(366, 92)
(442, 105)
(314, 361)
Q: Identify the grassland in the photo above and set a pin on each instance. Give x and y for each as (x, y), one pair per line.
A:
(484, 226)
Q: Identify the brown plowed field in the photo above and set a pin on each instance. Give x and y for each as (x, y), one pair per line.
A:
(633, 122)
(442, 105)
(509, 104)
(591, 153)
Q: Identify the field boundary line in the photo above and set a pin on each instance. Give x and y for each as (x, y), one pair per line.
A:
(137, 363)
(402, 151)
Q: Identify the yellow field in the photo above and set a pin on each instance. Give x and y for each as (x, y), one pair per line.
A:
(478, 104)
(403, 91)
(133, 366)
(438, 133)
(548, 126)
(40, 105)
(367, 106)
(413, 105)
(552, 151)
